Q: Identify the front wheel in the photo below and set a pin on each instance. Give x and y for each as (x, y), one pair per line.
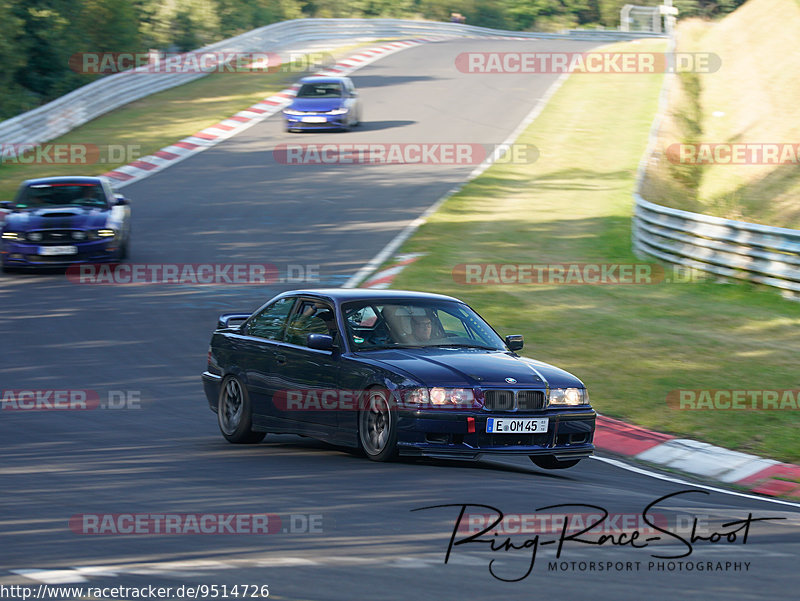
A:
(235, 414)
(377, 427)
(549, 462)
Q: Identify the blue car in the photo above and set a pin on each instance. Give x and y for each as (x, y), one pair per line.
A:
(59, 221)
(392, 373)
(324, 103)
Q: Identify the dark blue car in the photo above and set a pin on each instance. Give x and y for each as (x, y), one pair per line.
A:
(59, 221)
(392, 372)
(323, 103)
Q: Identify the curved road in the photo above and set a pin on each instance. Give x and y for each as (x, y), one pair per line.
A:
(162, 453)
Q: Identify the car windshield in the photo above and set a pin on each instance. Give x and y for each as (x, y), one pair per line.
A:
(320, 90)
(60, 195)
(417, 323)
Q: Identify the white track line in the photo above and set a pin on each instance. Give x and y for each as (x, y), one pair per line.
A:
(645, 472)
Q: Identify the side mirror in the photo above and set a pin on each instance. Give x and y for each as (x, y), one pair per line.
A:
(320, 342)
(514, 342)
(121, 200)
(225, 320)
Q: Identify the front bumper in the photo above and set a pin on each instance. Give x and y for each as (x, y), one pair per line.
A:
(331, 121)
(27, 255)
(435, 434)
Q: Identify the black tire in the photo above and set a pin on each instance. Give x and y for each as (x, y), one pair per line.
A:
(549, 462)
(377, 426)
(235, 413)
(123, 251)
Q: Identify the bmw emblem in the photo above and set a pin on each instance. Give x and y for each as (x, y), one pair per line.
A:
(511, 380)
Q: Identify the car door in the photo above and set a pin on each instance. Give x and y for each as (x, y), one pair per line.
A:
(309, 377)
(256, 346)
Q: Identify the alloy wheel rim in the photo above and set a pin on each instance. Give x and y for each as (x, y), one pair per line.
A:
(231, 410)
(375, 423)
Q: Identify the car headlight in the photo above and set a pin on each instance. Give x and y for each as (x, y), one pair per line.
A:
(291, 112)
(413, 398)
(570, 397)
(419, 398)
(337, 112)
(13, 236)
(102, 234)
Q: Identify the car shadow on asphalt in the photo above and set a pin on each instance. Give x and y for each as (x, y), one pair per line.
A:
(378, 125)
(494, 464)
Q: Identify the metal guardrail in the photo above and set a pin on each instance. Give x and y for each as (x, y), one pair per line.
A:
(724, 247)
(108, 93)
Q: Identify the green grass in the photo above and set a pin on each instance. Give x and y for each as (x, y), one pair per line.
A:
(750, 99)
(630, 344)
(161, 119)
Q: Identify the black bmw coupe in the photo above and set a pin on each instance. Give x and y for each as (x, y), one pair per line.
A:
(392, 372)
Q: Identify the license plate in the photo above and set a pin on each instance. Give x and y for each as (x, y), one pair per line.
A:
(58, 250)
(509, 425)
(314, 120)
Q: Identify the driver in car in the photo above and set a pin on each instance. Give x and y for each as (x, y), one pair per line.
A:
(421, 327)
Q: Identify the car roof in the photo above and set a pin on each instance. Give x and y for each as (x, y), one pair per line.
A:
(77, 179)
(323, 79)
(341, 295)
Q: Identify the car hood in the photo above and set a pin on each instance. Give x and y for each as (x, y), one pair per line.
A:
(57, 218)
(320, 105)
(473, 368)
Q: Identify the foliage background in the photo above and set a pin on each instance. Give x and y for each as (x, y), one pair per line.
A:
(37, 37)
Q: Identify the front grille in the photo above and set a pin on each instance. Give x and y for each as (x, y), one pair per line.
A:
(499, 400)
(510, 400)
(530, 400)
(55, 236)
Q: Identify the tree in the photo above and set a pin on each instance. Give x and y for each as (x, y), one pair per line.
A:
(13, 97)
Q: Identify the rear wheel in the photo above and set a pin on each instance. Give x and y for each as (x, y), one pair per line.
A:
(235, 414)
(377, 426)
(549, 462)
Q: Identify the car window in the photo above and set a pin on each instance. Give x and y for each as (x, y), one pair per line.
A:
(452, 325)
(61, 194)
(419, 323)
(311, 317)
(320, 90)
(269, 323)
